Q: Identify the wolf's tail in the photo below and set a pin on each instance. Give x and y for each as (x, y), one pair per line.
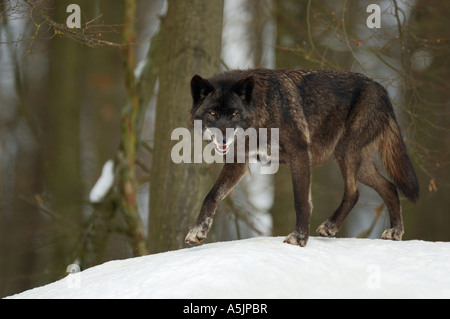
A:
(395, 159)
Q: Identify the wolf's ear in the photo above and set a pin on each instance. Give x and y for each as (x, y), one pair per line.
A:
(200, 88)
(244, 89)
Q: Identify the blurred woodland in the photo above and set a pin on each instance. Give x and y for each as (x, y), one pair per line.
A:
(72, 99)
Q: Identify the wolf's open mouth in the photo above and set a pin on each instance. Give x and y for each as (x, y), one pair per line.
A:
(223, 146)
(221, 149)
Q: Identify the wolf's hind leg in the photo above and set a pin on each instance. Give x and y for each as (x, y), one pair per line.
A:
(230, 175)
(351, 194)
(369, 176)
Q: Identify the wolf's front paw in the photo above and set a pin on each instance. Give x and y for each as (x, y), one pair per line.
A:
(297, 239)
(327, 229)
(195, 236)
(393, 234)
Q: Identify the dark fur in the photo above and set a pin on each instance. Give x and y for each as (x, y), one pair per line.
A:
(319, 114)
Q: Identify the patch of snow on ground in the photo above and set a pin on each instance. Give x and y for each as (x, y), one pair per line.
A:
(265, 267)
(104, 183)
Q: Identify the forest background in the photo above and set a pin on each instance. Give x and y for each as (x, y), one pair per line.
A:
(112, 91)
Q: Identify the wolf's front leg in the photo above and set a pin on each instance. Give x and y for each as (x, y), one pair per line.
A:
(230, 175)
(301, 180)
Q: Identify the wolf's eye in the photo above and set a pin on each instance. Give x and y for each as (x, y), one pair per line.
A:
(234, 114)
(212, 113)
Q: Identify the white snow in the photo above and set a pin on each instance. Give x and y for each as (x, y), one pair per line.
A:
(103, 184)
(265, 267)
(140, 68)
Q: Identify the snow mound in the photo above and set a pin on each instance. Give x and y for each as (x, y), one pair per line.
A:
(265, 267)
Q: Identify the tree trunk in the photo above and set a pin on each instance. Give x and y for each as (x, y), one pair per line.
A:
(127, 158)
(61, 136)
(191, 35)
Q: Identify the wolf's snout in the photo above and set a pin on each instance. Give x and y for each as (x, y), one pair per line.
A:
(222, 143)
(220, 139)
(223, 140)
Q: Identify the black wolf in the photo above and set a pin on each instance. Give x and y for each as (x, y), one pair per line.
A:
(319, 114)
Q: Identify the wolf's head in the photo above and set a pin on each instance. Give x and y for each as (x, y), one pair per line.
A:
(221, 104)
